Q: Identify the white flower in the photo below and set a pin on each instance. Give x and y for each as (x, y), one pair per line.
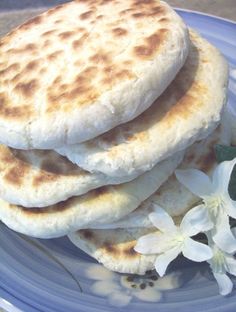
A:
(120, 289)
(216, 200)
(222, 263)
(172, 239)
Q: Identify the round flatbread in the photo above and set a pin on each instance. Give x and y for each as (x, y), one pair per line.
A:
(104, 205)
(189, 110)
(82, 68)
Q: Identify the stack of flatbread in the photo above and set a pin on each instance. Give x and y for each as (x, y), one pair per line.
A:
(100, 102)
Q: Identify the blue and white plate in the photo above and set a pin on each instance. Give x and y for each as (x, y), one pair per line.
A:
(55, 276)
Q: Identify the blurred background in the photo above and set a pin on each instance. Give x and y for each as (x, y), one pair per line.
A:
(14, 12)
(224, 8)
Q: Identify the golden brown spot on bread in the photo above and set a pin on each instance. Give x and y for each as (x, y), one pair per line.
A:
(87, 234)
(16, 174)
(130, 252)
(17, 112)
(125, 73)
(43, 178)
(32, 65)
(139, 15)
(123, 12)
(29, 47)
(27, 89)
(112, 75)
(47, 43)
(55, 10)
(104, 2)
(157, 11)
(206, 162)
(86, 15)
(66, 34)
(9, 69)
(57, 80)
(110, 248)
(54, 55)
(58, 21)
(47, 33)
(163, 20)
(100, 191)
(6, 156)
(143, 2)
(182, 108)
(77, 92)
(99, 16)
(32, 22)
(78, 43)
(152, 43)
(119, 31)
(100, 57)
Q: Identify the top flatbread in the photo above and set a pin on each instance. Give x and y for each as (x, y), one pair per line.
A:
(187, 111)
(82, 68)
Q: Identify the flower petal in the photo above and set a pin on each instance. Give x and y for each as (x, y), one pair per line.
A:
(231, 264)
(224, 282)
(195, 180)
(153, 243)
(230, 206)
(223, 237)
(104, 288)
(196, 220)
(196, 251)
(161, 219)
(221, 175)
(164, 260)
(119, 299)
(167, 282)
(148, 294)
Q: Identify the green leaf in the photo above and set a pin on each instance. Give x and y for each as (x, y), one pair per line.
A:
(224, 152)
(227, 153)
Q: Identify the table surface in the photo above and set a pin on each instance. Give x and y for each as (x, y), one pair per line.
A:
(17, 9)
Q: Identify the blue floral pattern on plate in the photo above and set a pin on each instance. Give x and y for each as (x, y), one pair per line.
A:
(55, 276)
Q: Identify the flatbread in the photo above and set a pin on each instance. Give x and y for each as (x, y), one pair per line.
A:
(189, 110)
(106, 204)
(39, 178)
(82, 68)
(114, 247)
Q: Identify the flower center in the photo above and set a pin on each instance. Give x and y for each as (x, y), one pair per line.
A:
(219, 264)
(139, 282)
(214, 204)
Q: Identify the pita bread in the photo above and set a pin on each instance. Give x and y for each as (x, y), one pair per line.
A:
(114, 247)
(106, 204)
(39, 178)
(189, 110)
(77, 70)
